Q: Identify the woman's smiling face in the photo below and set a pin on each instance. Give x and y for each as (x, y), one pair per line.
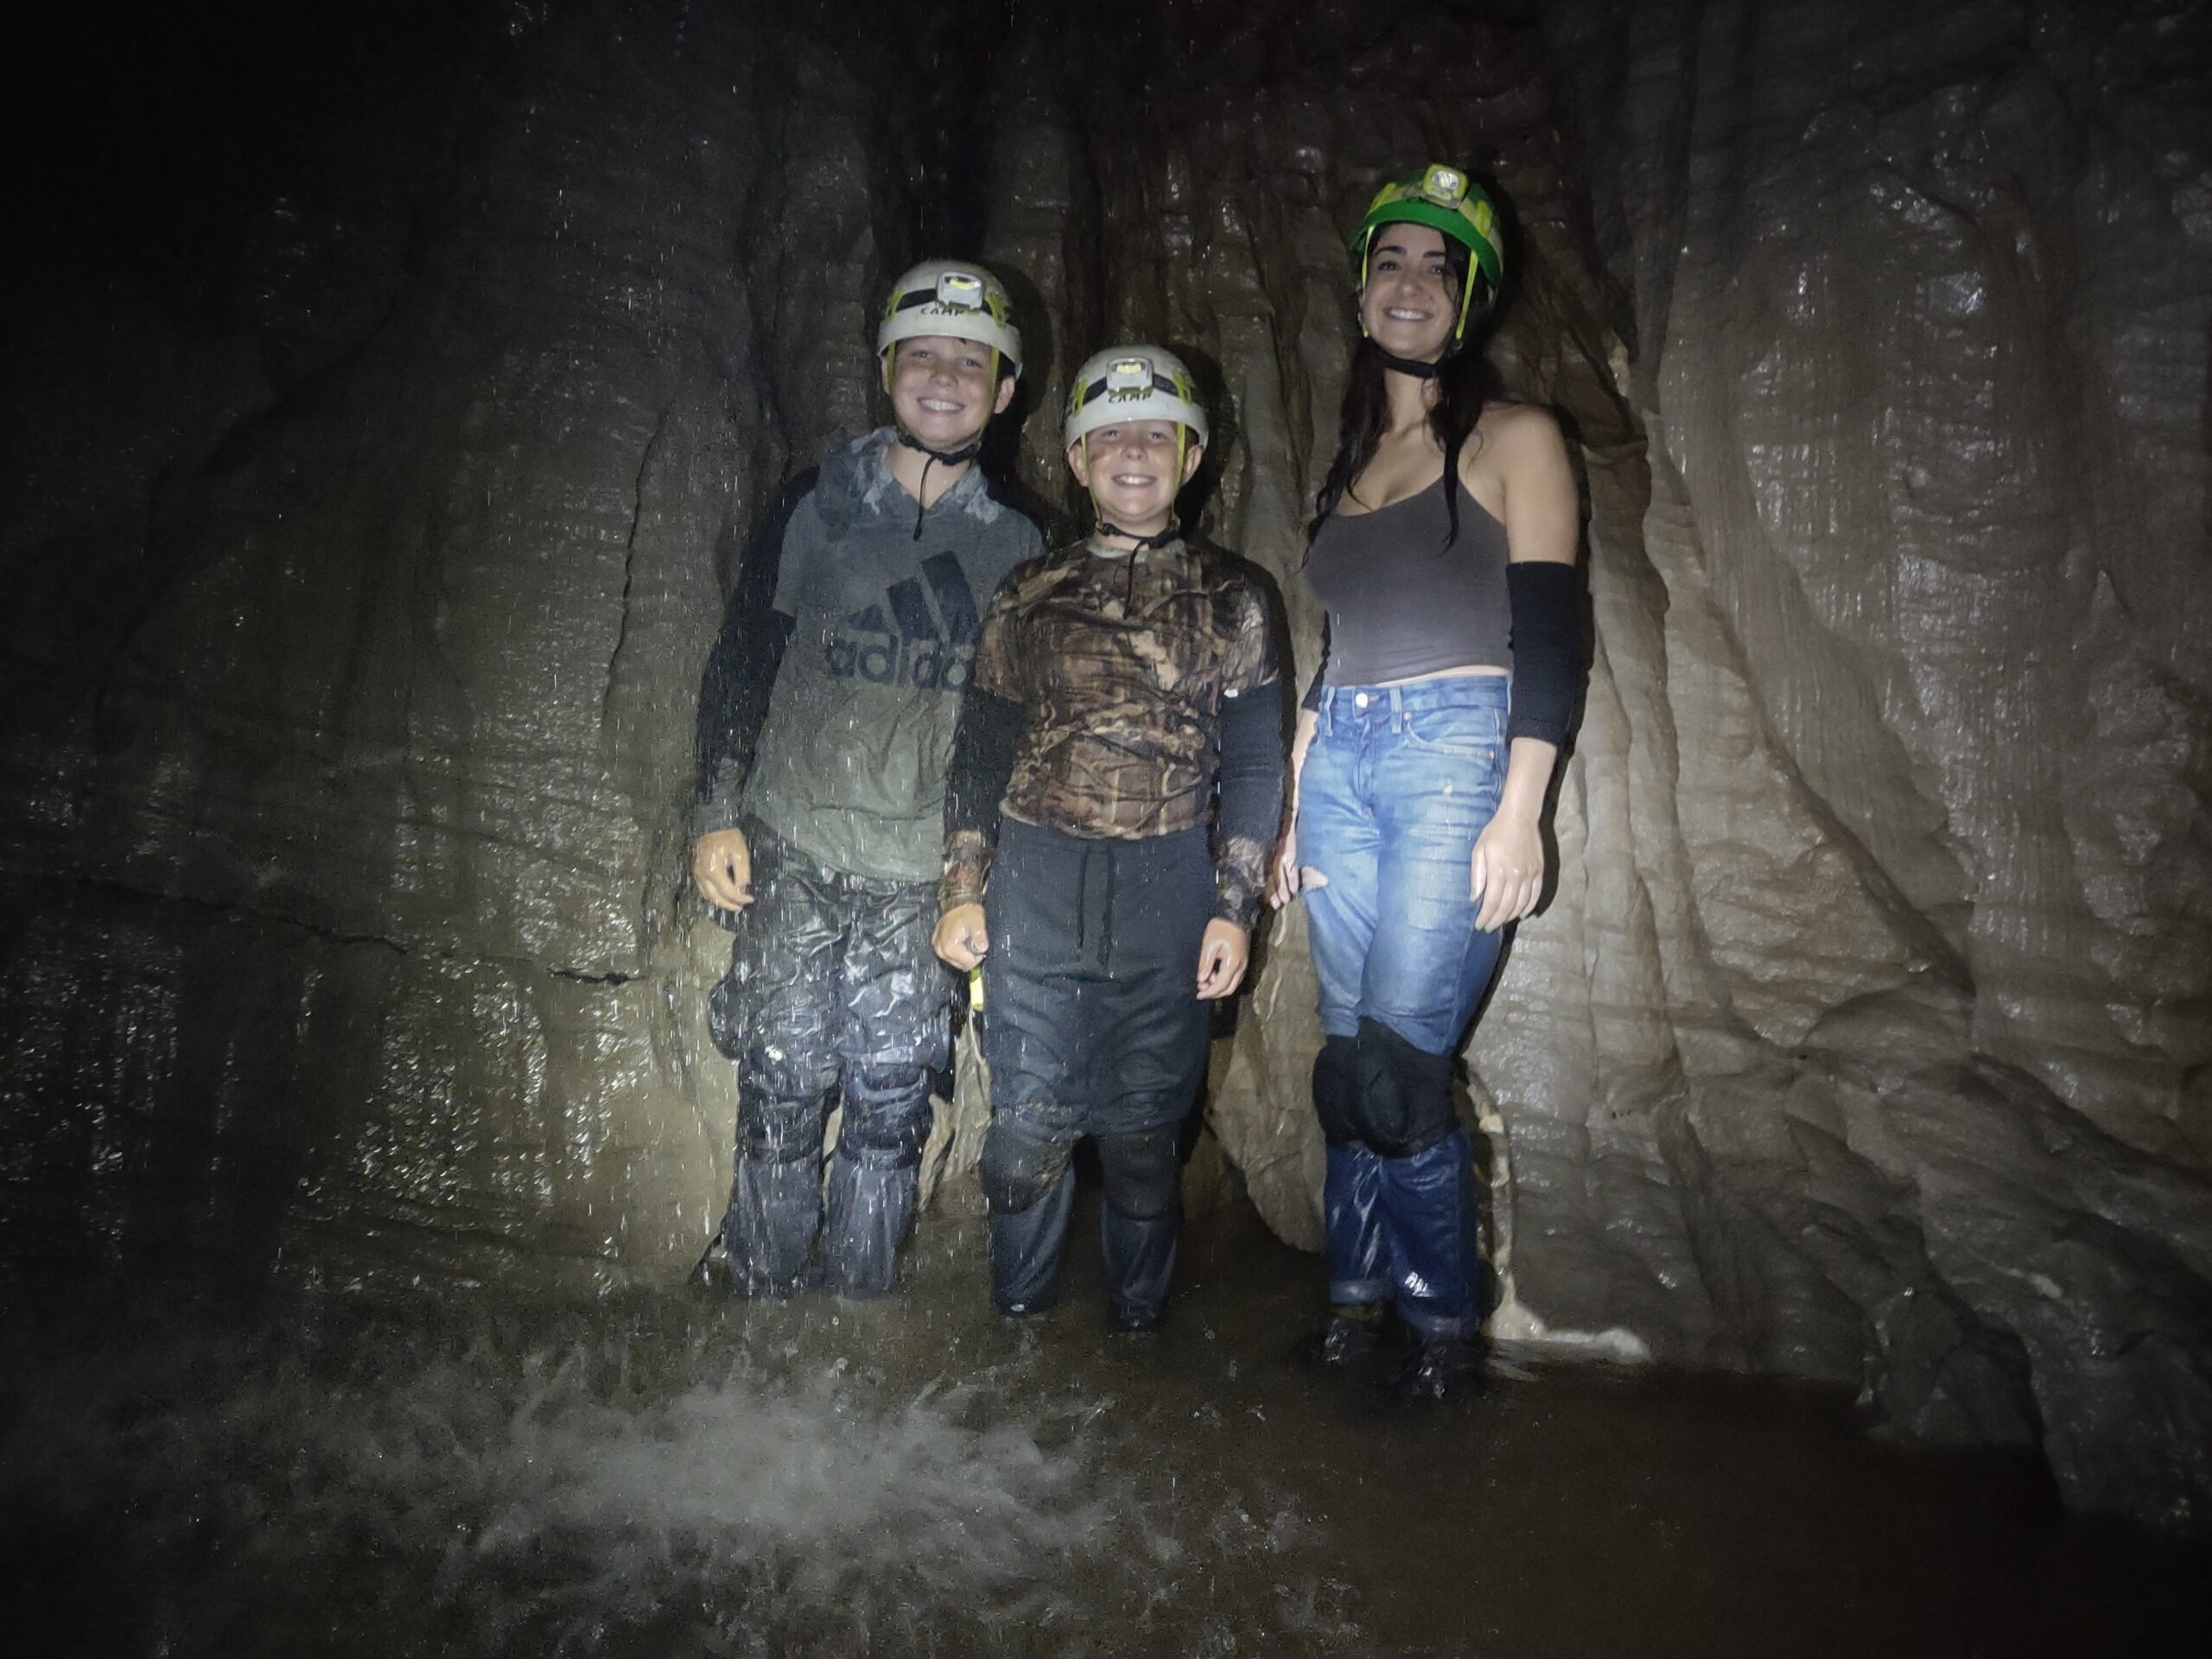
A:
(1411, 302)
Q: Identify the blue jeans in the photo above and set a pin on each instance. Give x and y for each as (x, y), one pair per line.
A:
(1397, 783)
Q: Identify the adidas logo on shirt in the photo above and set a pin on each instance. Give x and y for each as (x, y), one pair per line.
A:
(907, 640)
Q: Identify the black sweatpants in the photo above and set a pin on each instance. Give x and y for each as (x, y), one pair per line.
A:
(1092, 1025)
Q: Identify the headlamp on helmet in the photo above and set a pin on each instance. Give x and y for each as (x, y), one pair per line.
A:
(1445, 186)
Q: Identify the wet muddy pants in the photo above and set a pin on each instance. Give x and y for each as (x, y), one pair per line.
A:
(833, 995)
(1091, 1026)
(1397, 784)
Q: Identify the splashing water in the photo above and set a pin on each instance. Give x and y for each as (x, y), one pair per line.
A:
(358, 1485)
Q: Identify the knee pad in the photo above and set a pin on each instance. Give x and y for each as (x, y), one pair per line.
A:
(1017, 1169)
(1405, 1093)
(1335, 1090)
(886, 1113)
(773, 1129)
(786, 1070)
(1143, 1172)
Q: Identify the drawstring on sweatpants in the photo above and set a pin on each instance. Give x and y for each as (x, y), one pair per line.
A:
(1083, 907)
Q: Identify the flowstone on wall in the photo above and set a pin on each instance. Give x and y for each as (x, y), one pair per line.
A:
(387, 459)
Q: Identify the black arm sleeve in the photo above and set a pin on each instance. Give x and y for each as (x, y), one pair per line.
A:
(982, 765)
(1251, 810)
(1311, 703)
(740, 672)
(1546, 605)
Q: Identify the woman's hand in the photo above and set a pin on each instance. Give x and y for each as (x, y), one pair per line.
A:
(962, 937)
(1282, 869)
(1507, 872)
(1222, 954)
(722, 869)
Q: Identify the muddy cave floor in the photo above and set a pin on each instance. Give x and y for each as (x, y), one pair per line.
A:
(675, 1473)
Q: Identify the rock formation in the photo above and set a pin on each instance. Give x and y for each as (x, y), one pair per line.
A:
(399, 398)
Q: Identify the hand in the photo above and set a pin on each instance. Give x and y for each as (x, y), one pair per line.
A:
(722, 869)
(1222, 954)
(1506, 876)
(1282, 869)
(962, 938)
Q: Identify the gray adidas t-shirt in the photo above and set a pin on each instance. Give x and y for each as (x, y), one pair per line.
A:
(850, 766)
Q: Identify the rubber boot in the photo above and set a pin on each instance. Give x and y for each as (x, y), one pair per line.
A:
(870, 1209)
(1139, 1255)
(1428, 1207)
(1350, 1336)
(1026, 1247)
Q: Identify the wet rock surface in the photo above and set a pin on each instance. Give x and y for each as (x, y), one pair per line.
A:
(400, 398)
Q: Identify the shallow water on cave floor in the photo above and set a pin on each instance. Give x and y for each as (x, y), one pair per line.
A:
(677, 1474)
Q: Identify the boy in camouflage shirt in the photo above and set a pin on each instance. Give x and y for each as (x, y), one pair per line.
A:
(1120, 683)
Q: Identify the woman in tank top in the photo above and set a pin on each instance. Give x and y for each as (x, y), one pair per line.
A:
(1443, 550)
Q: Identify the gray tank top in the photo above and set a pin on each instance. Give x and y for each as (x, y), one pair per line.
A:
(1401, 603)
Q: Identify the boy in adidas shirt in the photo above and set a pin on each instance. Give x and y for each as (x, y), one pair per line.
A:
(825, 718)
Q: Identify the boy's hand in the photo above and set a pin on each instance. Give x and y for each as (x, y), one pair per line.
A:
(962, 937)
(722, 869)
(1222, 956)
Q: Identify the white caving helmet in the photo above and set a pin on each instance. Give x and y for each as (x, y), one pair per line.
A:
(953, 298)
(1133, 382)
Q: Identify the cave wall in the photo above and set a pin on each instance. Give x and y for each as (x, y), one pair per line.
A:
(372, 498)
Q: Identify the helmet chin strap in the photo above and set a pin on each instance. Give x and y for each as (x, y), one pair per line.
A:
(949, 457)
(1107, 527)
(1413, 365)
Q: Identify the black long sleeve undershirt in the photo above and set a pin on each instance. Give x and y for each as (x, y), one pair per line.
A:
(740, 673)
(984, 746)
(1248, 815)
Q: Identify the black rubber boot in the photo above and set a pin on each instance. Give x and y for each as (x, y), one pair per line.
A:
(1440, 1368)
(1350, 1336)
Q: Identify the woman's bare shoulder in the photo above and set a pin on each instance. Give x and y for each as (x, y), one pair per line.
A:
(1511, 425)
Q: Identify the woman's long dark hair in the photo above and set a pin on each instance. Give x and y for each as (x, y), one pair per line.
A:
(1463, 385)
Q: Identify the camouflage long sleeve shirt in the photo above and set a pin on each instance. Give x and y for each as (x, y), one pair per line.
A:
(1122, 666)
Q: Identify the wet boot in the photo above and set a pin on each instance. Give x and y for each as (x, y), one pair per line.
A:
(870, 1209)
(1140, 1223)
(874, 1177)
(1352, 1335)
(1139, 1255)
(1439, 1369)
(775, 1201)
(1026, 1248)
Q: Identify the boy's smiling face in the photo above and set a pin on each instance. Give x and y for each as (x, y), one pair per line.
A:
(1131, 474)
(943, 389)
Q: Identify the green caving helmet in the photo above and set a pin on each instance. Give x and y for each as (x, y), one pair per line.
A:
(1447, 200)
